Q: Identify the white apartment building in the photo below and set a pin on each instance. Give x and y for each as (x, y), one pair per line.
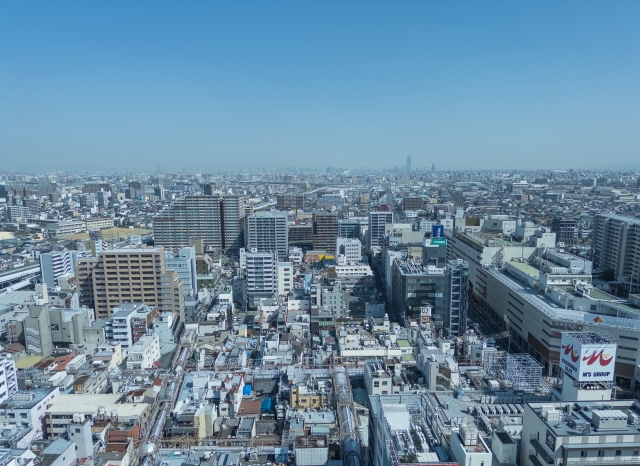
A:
(56, 264)
(285, 278)
(8, 379)
(268, 232)
(184, 264)
(26, 409)
(262, 276)
(144, 353)
(377, 223)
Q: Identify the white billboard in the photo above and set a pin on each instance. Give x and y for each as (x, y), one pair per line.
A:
(587, 361)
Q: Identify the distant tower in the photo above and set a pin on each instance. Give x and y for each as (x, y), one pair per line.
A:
(408, 164)
(433, 167)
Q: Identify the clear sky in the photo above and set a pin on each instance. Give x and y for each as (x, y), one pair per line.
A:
(106, 85)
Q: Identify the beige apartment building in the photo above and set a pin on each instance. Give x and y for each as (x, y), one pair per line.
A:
(129, 275)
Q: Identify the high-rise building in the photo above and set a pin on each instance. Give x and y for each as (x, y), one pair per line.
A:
(189, 219)
(349, 228)
(457, 292)
(216, 220)
(129, 275)
(566, 230)
(377, 223)
(616, 247)
(232, 220)
(268, 232)
(183, 262)
(56, 264)
(325, 231)
(290, 201)
(262, 276)
(408, 164)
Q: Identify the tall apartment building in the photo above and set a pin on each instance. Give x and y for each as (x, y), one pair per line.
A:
(129, 275)
(96, 187)
(189, 219)
(216, 220)
(55, 264)
(290, 201)
(262, 276)
(325, 231)
(130, 322)
(8, 379)
(616, 247)
(268, 232)
(285, 278)
(183, 262)
(232, 220)
(377, 223)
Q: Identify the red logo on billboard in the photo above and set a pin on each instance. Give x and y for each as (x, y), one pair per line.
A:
(574, 353)
(605, 358)
(598, 320)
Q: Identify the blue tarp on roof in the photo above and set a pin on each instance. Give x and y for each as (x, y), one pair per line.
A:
(247, 389)
(267, 405)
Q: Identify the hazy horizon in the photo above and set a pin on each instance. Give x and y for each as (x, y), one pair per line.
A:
(222, 86)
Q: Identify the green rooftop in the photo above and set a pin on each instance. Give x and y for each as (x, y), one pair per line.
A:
(526, 268)
(403, 343)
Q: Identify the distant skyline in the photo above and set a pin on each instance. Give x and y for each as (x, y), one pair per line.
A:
(203, 86)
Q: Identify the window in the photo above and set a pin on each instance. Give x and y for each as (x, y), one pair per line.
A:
(583, 454)
(376, 384)
(618, 452)
(600, 453)
(636, 452)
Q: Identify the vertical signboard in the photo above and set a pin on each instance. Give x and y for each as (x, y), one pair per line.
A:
(585, 361)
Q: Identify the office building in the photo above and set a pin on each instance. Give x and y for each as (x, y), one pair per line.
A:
(129, 275)
(36, 330)
(616, 248)
(98, 223)
(17, 213)
(349, 228)
(183, 262)
(581, 433)
(377, 224)
(350, 248)
(412, 203)
(408, 166)
(325, 231)
(56, 264)
(457, 291)
(301, 235)
(290, 201)
(416, 287)
(268, 232)
(566, 230)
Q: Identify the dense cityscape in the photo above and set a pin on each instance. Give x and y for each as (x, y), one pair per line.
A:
(315, 317)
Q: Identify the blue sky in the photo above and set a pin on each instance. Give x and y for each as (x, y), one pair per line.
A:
(226, 85)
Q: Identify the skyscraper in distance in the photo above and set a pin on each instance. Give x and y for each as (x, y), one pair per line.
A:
(408, 164)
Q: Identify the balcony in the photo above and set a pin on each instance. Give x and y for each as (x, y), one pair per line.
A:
(604, 460)
(534, 459)
(540, 450)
